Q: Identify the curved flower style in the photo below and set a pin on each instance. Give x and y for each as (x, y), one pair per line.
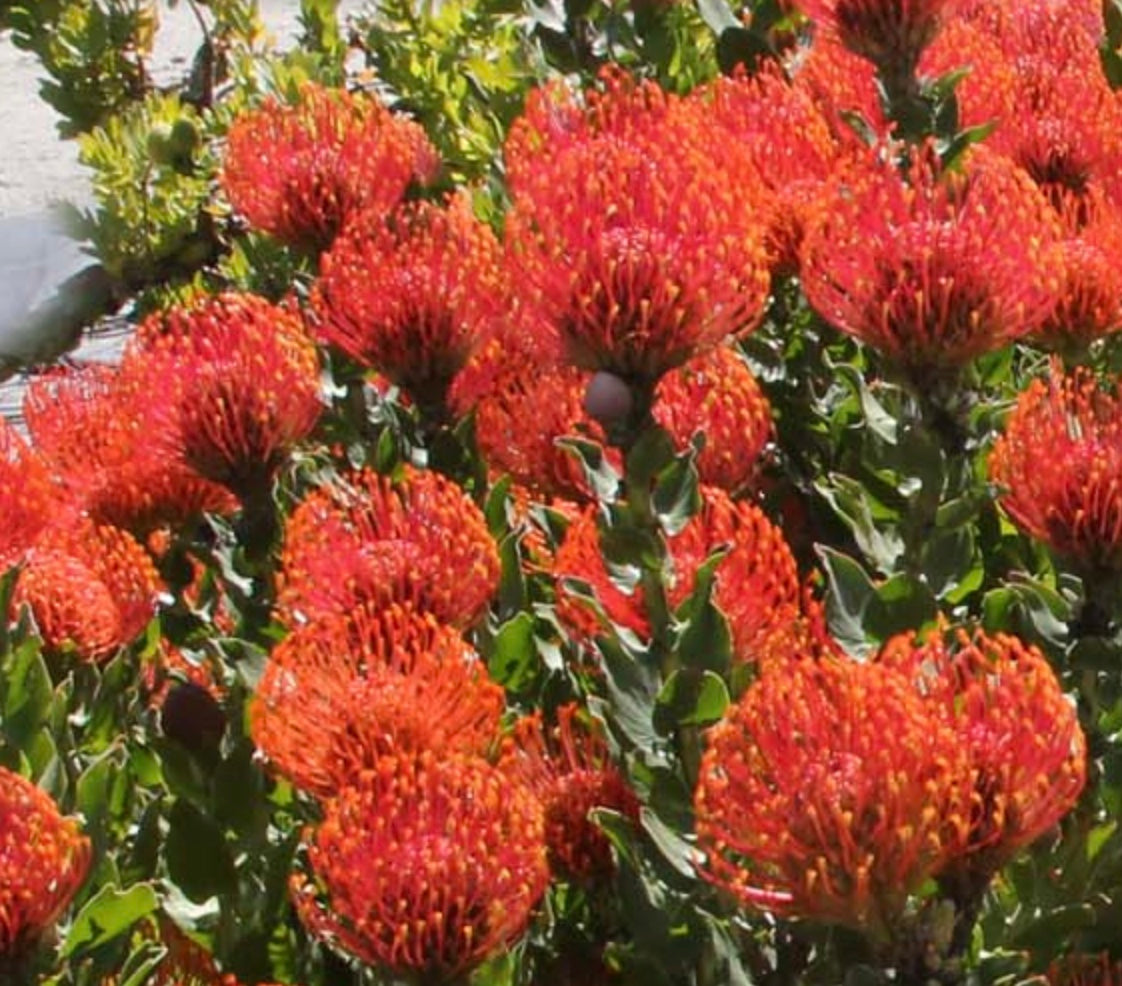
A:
(935, 270)
(890, 33)
(367, 538)
(412, 295)
(340, 693)
(299, 172)
(88, 423)
(570, 770)
(717, 395)
(28, 499)
(43, 861)
(831, 791)
(1060, 463)
(641, 247)
(785, 132)
(91, 588)
(756, 587)
(1026, 749)
(239, 386)
(428, 867)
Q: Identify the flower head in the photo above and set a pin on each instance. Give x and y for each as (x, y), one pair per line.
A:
(28, 499)
(365, 537)
(831, 791)
(1026, 749)
(936, 269)
(717, 395)
(412, 295)
(756, 582)
(428, 866)
(1060, 464)
(571, 772)
(299, 172)
(239, 386)
(338, 694)
(637, 245)
(889, 33)
(43, 861)
(90, 587)
(1085, 970)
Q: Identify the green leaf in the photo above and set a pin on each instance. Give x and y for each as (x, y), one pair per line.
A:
(902, 603)
(632, 689)
(704, 640)
(107, 915)
(718, 15)
(1046, 934)
(690, 698)
(27, 695)
(198, 858)
(849, 595)
(677, 851)
(513, 660)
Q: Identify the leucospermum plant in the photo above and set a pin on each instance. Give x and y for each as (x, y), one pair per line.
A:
(650, 518)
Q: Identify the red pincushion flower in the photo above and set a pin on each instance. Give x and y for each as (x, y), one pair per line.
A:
(1085, 970)
(428, 867)
(89, 424)
(91, 588)
(936, 269)
(420, 540)
(239, 386)
(43, 861)
(717, 395)
(757, 584)
(1026, 749)
(570, 770)
(890, 33)
(299, 172)
(186, 963)
(640, 248)
(842, 83)
(338, 694)
(412, 295)
(831, 791)
(28, 499)
(1060, 464)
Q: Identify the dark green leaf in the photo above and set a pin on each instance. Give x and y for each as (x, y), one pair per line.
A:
(849, 596)
(513, 660)
(107, 915)
(690, 698)
(198, 858)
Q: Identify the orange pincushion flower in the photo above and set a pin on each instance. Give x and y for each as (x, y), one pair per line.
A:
(43, 861)
(831, 791)
(757, 585)
(1085, 970)
(412, 295)
(570, 770)
(1026, 748)
(1060, 463)
(841, 83)
(91, 588)
(340, 693)
(89, 424)
(637, 246)
(299, 172)
(890, 33)
(717, 395)
(429, 866)
(936, 269)
(28, 500)
(238, 386)
(420, 540)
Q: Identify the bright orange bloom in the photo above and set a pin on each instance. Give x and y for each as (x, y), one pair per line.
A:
(890, 33)
(238, 386)
(757, 584)
(419, 540)
(831, 791)
(186, 963)
(91, 588)
(1085, 970)
(340, 693)
(841, 83)
(1060, 464)
(1026, 749)
(936, 269)
(428, 867)
(640, 246)
(28, 499)
(717, 395)
(43, 861)
(299, 172)
(412, 295)
(89, 424)
(570, 770)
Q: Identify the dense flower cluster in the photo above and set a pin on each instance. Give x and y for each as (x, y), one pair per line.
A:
(27, 498)
(299, 172)
(427, 866)
(43, 861)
